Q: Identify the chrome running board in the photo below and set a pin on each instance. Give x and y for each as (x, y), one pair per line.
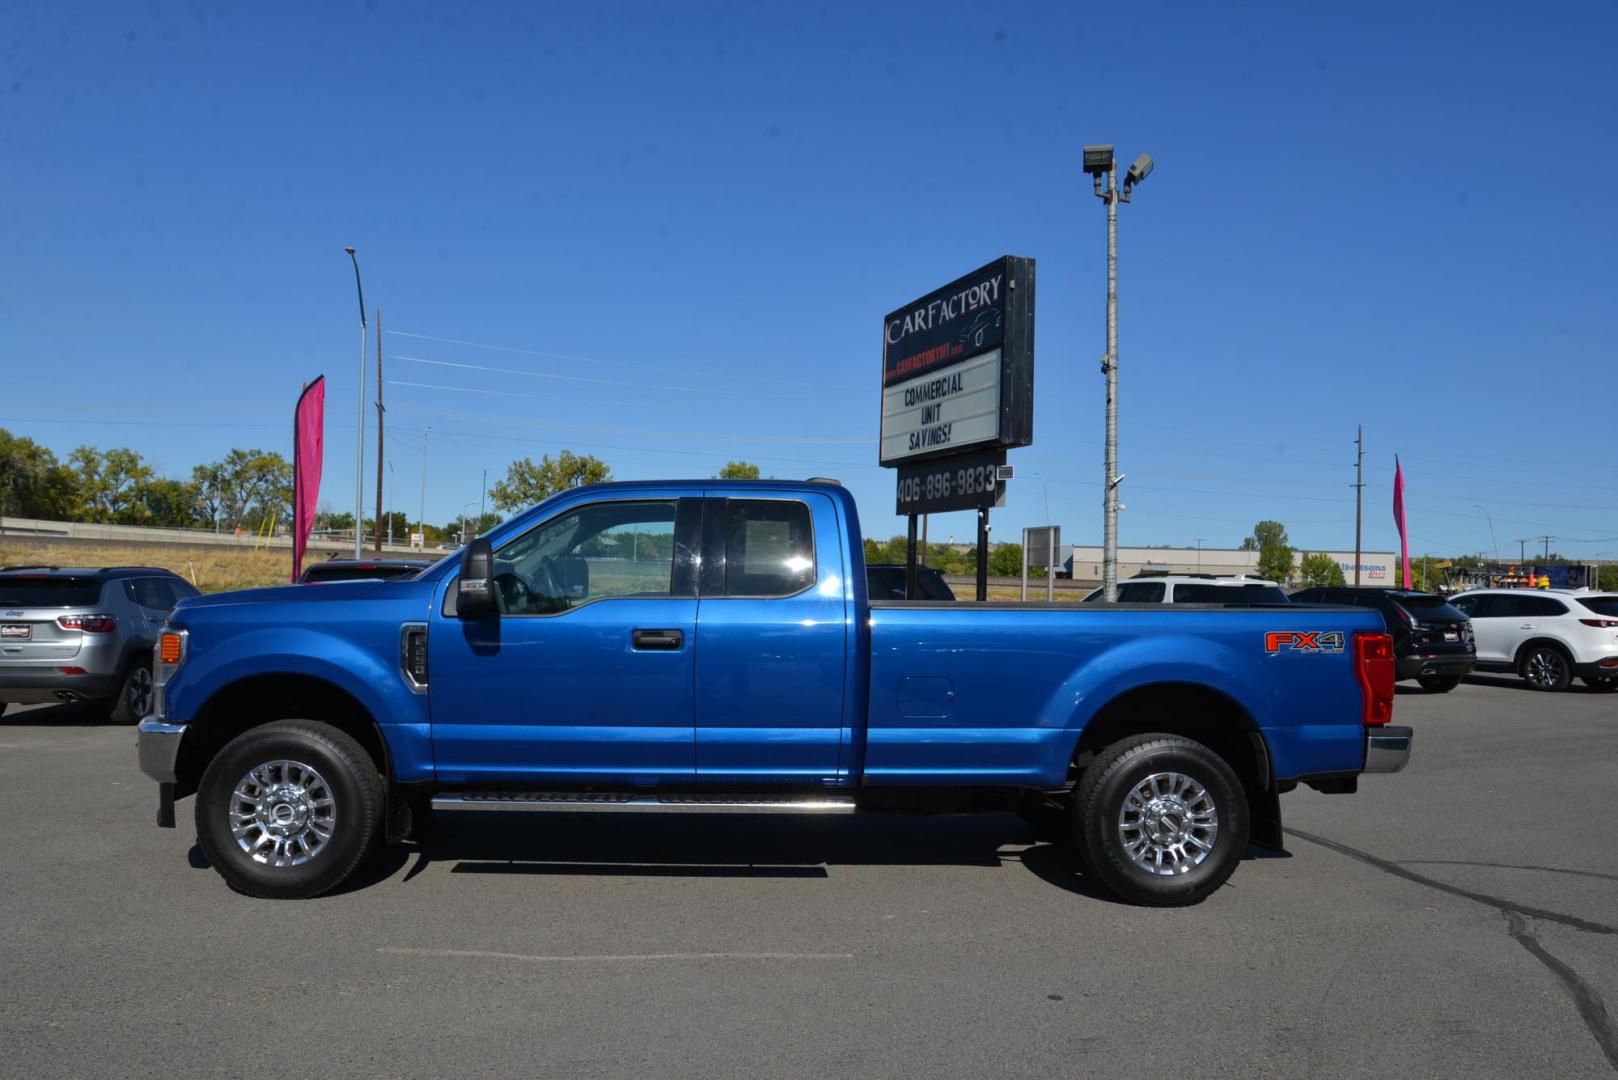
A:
(633, 801)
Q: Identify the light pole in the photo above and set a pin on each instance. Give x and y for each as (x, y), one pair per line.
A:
(359, 446)
(1099, 163)
(1495, 543)
(464, 509)
(421, 512)
(393, 486)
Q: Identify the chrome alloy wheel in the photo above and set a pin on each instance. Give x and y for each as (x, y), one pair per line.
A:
(1168, 824)
(282, 813)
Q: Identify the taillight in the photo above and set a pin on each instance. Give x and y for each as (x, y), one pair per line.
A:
(1603, 623)
(1373, 667)
(90, 624)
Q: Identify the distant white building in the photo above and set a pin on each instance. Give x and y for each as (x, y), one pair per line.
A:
(1083, 563)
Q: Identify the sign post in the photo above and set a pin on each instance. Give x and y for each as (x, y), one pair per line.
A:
(957, 391)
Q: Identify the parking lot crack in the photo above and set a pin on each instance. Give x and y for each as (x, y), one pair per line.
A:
(1519, 924)
(1496, 902)
(1592, 1010)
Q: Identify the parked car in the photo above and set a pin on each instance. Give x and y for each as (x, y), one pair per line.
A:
(711, 646)
(1432, 641)
(83, 634)
(886, 581)
(1546, 636)
(357, 569)
(1156, 588)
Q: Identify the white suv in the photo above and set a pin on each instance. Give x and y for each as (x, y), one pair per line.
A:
(1546, 636)
(1152, 588)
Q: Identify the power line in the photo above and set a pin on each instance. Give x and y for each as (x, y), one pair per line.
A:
(587, 379)
(539, 352)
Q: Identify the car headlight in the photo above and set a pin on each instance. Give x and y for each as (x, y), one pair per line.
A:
(172, 645)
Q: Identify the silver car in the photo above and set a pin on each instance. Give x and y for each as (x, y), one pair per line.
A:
(83, 634)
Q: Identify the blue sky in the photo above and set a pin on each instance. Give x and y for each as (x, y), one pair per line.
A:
(683, 224)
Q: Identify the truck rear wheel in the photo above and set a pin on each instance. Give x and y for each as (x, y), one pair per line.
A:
(288, 810)
(1160, 820)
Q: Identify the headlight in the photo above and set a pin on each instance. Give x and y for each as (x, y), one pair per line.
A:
(172, 645)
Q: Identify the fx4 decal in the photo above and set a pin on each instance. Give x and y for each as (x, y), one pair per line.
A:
(1305, 641)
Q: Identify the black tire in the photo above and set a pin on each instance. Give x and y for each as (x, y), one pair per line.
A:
(1099, 803)
(1546, 667)
(1601, 684)
(347, 777)
(134, 694)
(1438, 684)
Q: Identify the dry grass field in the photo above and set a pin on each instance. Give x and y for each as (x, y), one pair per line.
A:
(211, 569)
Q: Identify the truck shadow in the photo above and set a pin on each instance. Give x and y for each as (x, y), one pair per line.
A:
(729, 845)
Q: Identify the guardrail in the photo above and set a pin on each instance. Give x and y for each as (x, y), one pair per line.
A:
(21, 528)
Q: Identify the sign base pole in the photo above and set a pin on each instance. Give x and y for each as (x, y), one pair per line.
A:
(910, 558)
(983, 554)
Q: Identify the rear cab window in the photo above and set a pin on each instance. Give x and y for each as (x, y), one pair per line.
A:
(769, 547)
(1199, 593)
(43, 590)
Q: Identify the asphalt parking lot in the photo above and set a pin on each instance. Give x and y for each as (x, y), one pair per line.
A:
(1457, 919)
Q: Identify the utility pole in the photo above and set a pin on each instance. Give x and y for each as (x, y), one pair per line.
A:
(421, 514)
(1199, 553)
(483, 498)
(359, 446)
(1359, 494)
(379, 411)
(1547, 540)
(1099, 163)
(1522, 549)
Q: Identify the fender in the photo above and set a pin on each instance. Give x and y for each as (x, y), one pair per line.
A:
(400, 715)
(1150, 661)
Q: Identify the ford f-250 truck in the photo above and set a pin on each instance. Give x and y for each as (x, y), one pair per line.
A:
(710, 645)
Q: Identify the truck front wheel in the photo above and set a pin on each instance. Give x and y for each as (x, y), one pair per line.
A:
(1160, 820)
(288, 810)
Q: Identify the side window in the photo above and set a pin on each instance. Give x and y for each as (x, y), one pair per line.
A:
(1470, 606)
(596, 552)
(1508, 607)
(1545, 606)
(153, 594)
(1140, 592)
(183, 590)
(769, 547)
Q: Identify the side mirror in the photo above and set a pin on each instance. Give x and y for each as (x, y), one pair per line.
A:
(474, 591)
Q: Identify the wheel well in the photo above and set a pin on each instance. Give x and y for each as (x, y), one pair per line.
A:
(1532, 643)
(1193, 712)
(262, 699)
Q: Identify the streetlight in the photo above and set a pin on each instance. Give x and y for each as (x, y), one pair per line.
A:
(464, 509)
(1099, 163)
(359, 450)
(1492, 540)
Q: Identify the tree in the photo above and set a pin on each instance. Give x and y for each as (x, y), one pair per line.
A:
(33, 483)
(166, 501)
(1320, 569)
(110, 481)
(527, 483)
(1266, 532)
(738, 470)
(1005, 560)
(1274, 553)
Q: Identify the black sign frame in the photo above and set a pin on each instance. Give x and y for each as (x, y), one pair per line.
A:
(968, 481)
(908, 357)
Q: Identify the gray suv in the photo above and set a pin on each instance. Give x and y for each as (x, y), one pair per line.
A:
(83, 634)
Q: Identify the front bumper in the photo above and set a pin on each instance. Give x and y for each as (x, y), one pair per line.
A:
(1387, 749)
(158, 743)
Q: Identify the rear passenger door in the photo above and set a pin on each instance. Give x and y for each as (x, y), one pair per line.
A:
(1499, 623)
(155, 599)
(772, 640)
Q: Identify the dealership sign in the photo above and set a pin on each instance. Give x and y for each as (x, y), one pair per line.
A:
(958, 367)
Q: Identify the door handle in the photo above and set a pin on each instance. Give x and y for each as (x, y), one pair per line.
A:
(661, 640)
(1526, 626)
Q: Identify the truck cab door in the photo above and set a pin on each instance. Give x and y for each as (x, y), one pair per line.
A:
(585, 675)
(773, 633)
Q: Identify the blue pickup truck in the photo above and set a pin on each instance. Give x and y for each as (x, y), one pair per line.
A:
(710, 645)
